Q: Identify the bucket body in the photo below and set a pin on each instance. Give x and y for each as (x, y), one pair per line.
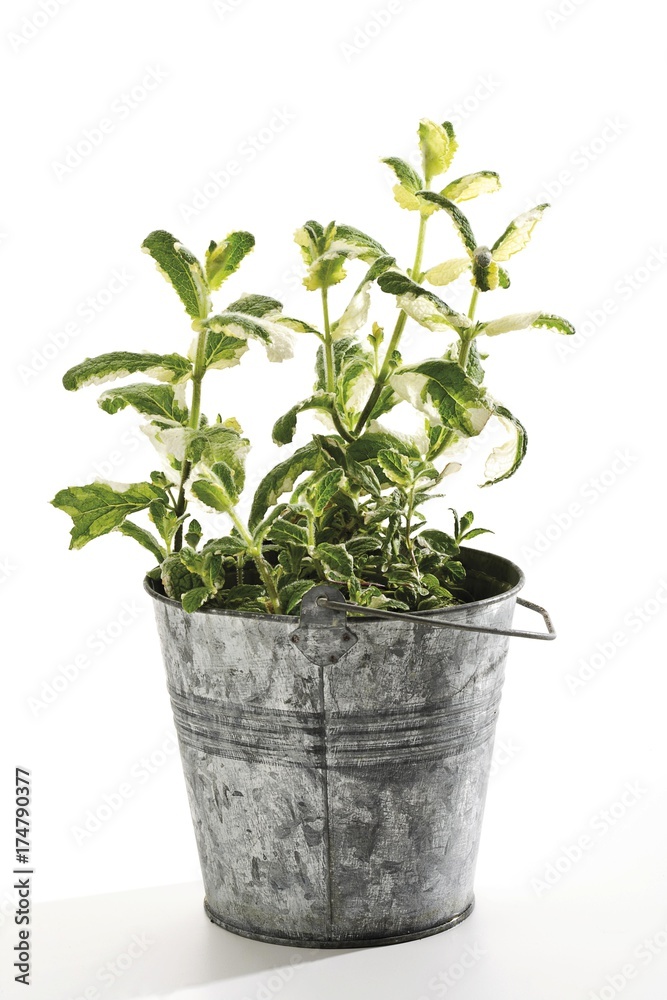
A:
(339, 804)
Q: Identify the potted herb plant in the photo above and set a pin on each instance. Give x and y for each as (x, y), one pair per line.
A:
(336, 763)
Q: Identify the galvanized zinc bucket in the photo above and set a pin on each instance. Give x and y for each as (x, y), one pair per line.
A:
(337, 766)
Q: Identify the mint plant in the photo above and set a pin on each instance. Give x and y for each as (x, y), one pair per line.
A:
(347, 507)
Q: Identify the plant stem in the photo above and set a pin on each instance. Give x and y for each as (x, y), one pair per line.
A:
(263, 568)
(193, 424)
(466, 340)
(380, 382)
(329, 370)
(408, 528)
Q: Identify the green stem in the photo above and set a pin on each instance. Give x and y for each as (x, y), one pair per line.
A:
(329, 371)
(383, 375)
(193, 424)
(467, 339)
(263, 568)
(408, 528)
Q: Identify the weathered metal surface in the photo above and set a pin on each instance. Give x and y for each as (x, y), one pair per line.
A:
(338, 804)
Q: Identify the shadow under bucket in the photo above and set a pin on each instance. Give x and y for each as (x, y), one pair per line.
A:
(337, 766)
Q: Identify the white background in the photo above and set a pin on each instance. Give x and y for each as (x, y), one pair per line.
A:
(569, 108)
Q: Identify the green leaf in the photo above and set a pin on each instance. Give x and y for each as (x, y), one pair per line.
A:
(223, 350)
(438, 145)
(475, 532)
(439, 541)
(272, 328)
(118, 364)
(369, 445)
(503, 277)
(518, 233)
(282, 477)
(421, 305)
(325, 251)
(450, 270)
(396, 467)
(144, 538)
(211, 495)
(285, 426)
(293, 593)
(226, 478)
(506, 458)
(223, 258)
(230, 545)
(194, 533)
(287, 533)
(220, 442)
(182, 269)
(471, 185)
(324, 490)
(353, 243)
(193, 599)
(157, 401)
(405, 192)
(557, 323)
(406, 175)
(165, 520)
(176, 578)
(466, 520)
(460, 221)
(336, 560)
(99, 508)
(255, 305)
(443, 391)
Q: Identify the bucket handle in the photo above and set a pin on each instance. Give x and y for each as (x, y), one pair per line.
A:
(326, 602)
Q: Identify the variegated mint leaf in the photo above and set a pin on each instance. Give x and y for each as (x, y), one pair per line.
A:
(100, 507)
(182, 269)
(518, 234)
(471, 185)
(224, 258)
(119, 364)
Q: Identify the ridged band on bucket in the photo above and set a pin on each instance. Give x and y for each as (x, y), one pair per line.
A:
(337, 767)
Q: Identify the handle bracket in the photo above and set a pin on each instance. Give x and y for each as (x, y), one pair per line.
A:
(323, 635)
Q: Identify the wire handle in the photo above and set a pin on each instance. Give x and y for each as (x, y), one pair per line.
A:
(326, 602)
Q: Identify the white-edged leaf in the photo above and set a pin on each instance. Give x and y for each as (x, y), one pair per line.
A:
(156, 401)
(144, 538)
(458, 218)
(438, 145)
(285, 426)
(507, 457)
(281, 479)
(518, 233)
(100, 507)
(119, 364)
(223, 258)
(471, 185)
(336, 560)
(356, 312)
(507, 324)
(548, 322)
(182, 269)
(420, 304)
(193, 599)
(447, 396)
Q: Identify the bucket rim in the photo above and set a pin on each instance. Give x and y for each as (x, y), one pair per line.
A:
(453, 609)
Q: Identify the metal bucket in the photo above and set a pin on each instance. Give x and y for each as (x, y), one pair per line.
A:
(337, 766)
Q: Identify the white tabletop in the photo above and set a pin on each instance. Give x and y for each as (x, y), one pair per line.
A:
(157, 943)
